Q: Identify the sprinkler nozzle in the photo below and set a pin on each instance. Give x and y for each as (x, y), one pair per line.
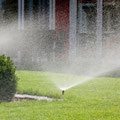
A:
(63, 92)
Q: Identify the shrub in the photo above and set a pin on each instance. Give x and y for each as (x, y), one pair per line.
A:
(8, 79)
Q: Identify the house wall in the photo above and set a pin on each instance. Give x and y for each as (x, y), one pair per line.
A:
(62, 24)
(62, 28)
(98, 25)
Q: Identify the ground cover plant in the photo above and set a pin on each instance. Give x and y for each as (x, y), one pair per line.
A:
(97, 99)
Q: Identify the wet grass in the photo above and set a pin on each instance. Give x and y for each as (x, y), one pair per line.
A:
(37, 83)
(97, 99)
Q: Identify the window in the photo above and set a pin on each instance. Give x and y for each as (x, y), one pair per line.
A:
(87, 14)
(87, 17)
(110, 18)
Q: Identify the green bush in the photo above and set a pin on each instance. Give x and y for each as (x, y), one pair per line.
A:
(8, 79)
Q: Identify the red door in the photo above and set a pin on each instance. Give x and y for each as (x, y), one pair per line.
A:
(62, 29)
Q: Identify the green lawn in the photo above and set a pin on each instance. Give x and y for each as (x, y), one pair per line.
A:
(97, 99)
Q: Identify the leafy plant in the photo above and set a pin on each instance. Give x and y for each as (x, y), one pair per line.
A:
(8, 79)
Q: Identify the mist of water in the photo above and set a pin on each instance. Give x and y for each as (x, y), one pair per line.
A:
(34, 49)
(80, 75)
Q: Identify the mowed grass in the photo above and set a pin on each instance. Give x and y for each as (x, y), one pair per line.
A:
(98, 99)
(37, 83)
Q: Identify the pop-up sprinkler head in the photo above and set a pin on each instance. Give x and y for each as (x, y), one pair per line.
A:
(63, 92)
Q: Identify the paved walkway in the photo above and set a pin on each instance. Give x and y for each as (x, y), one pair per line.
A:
(25, 96)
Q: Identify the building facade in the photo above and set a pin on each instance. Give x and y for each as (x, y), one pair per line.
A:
(80, 27)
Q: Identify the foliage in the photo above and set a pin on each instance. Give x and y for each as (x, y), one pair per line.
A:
(8, 79)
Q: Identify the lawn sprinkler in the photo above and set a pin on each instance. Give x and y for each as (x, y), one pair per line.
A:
(63, 92)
